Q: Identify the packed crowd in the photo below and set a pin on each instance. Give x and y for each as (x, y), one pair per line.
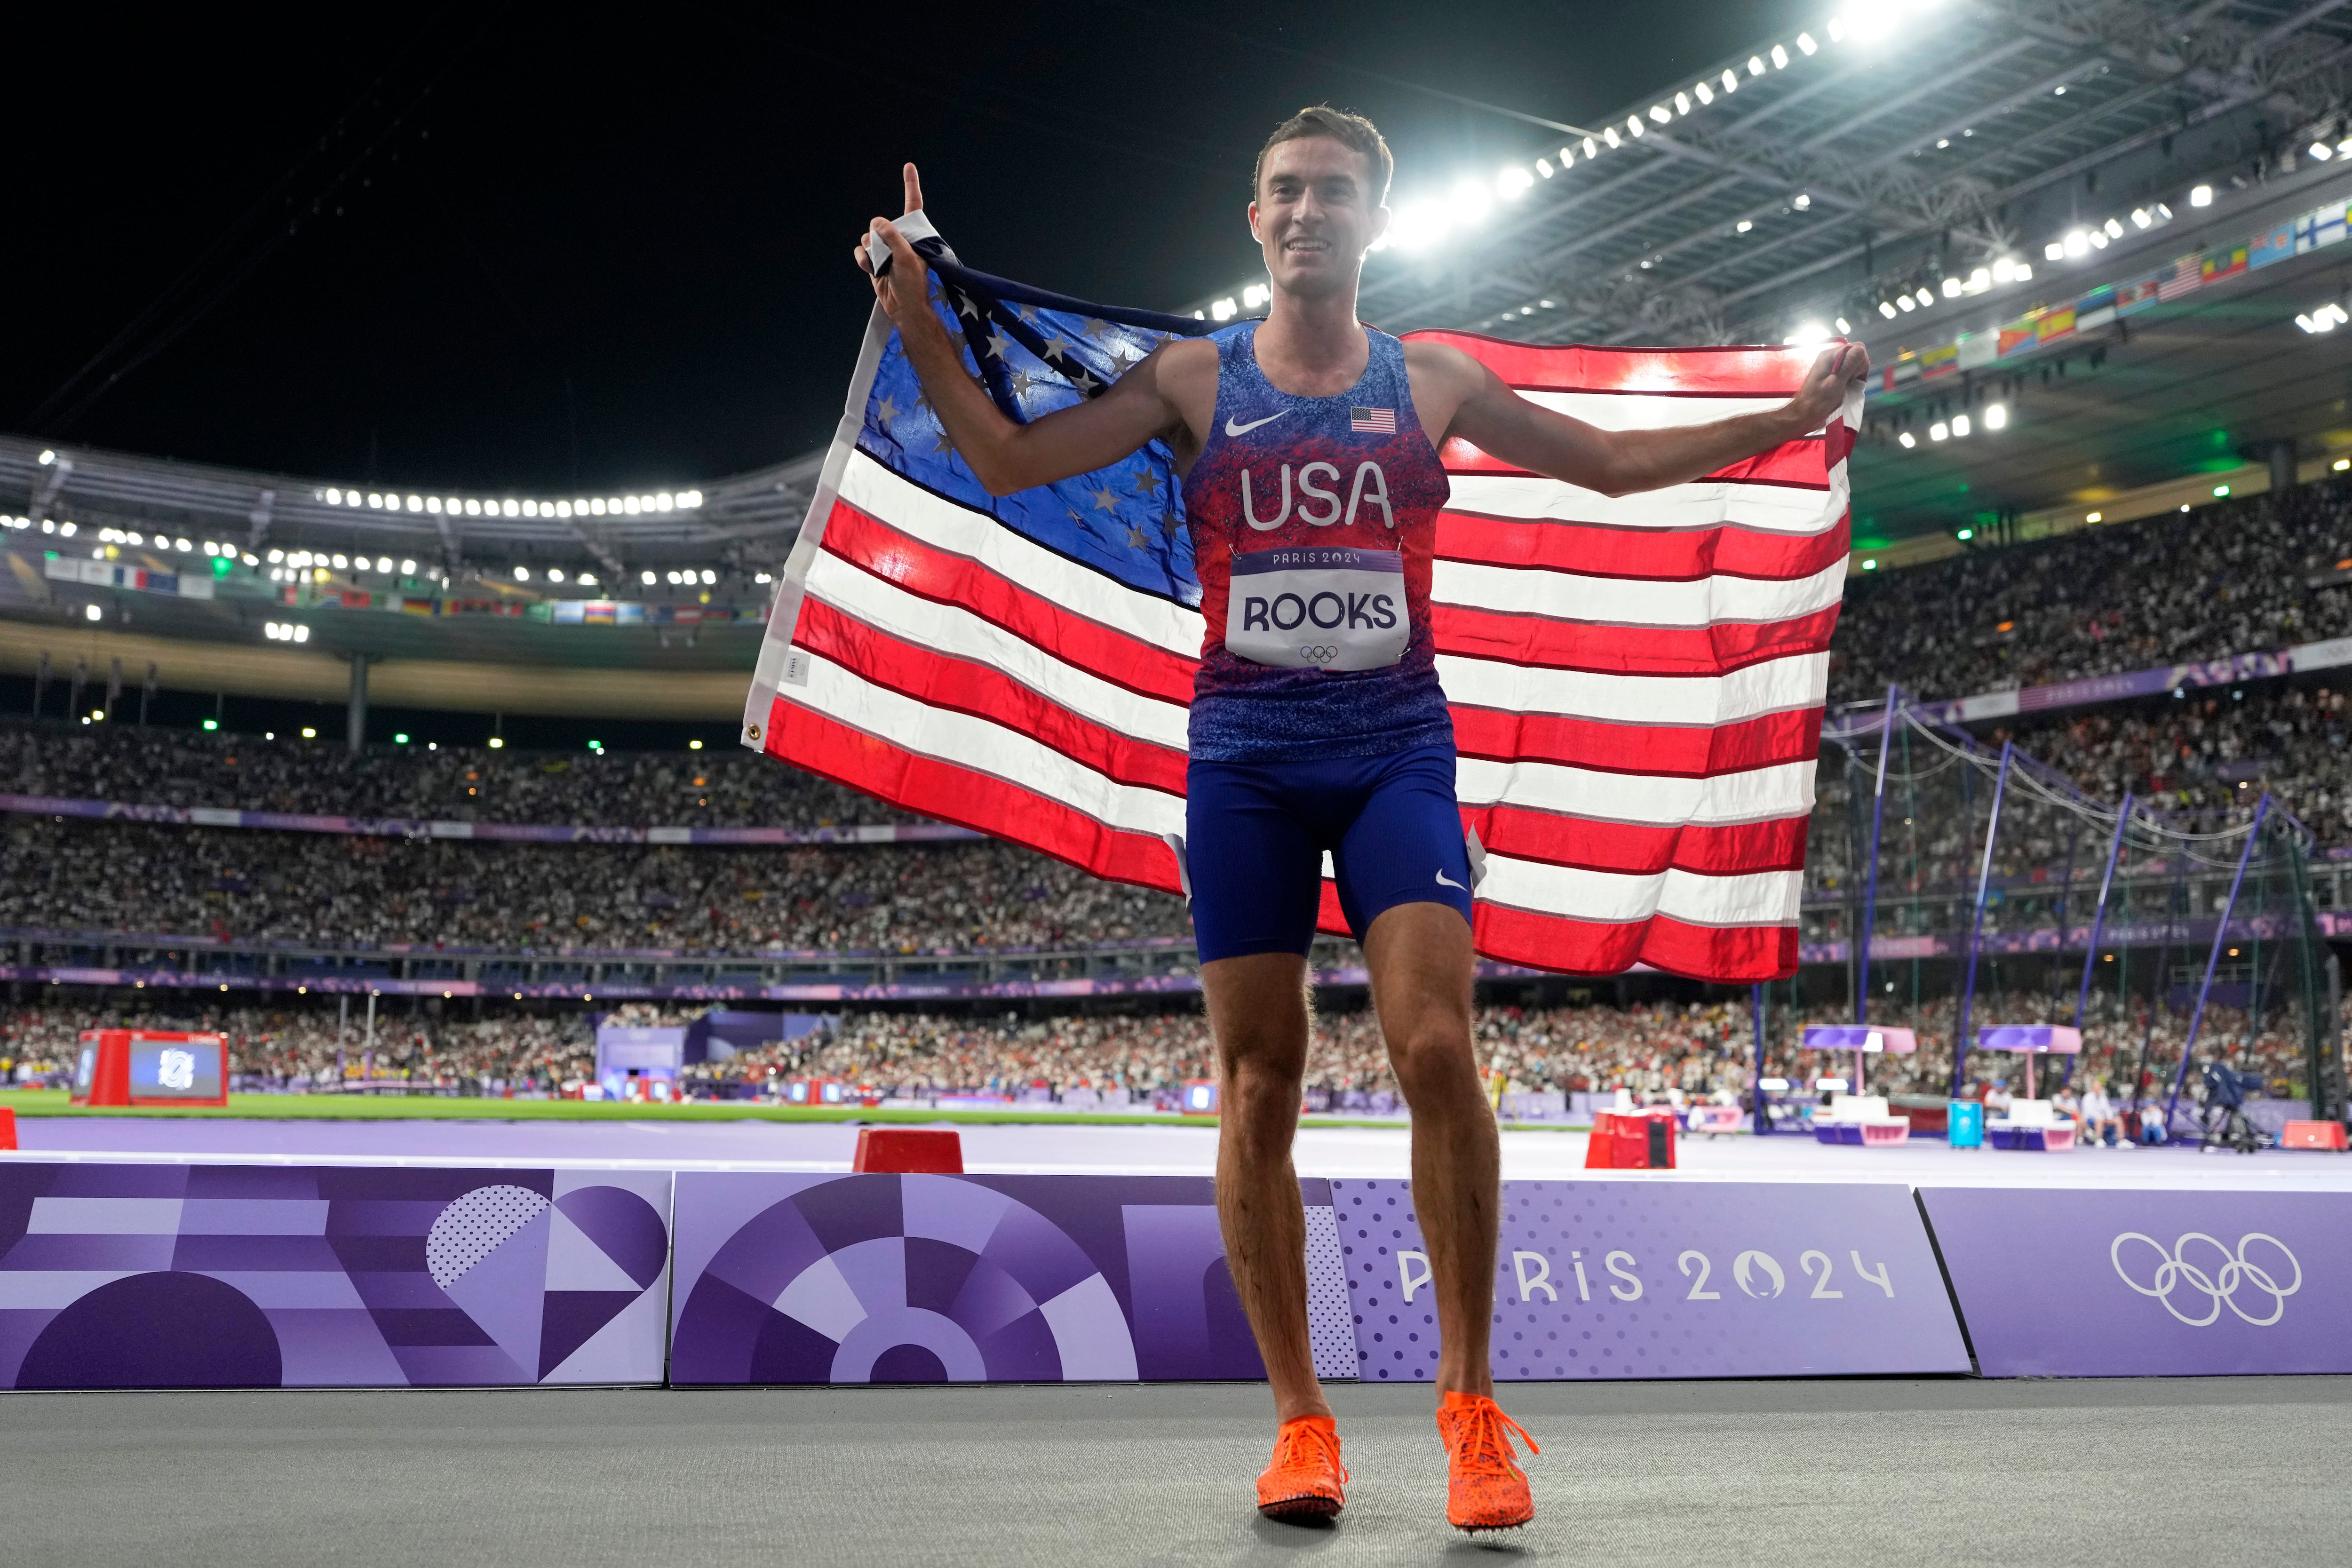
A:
(716, 788)
(1655, 1051)
(240, 884)
(2233, 577)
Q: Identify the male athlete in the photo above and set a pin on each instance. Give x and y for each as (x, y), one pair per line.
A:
(1309, 446)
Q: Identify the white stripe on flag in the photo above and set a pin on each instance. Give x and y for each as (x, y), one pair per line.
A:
(1646, 411)
(1633, 601)
(943, 525)
(953, 630)
(985, 747)
(1756, 794)
(1774, 686)
(1775, 509)
(1759, 897)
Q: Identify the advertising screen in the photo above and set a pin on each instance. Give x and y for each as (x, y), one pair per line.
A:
(175, 1069)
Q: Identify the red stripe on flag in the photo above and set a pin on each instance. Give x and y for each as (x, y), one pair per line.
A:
(1595, 550)
(872, 545)
(1684, 372)
(1722, 954)
(1668, 751)
(959, 685)
(1638, 849)
(1626, 650)
(965, 796)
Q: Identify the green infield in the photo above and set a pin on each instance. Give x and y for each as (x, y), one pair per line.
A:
(30, 1102)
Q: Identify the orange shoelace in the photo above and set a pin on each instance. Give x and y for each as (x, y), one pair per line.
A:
(1303, 1442)
(1481, 1444)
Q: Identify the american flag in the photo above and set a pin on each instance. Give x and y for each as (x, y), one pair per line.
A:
(1636, 682)
(1372, 421)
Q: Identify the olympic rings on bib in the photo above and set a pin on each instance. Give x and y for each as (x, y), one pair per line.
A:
(1319, 654)
(2220, 1287)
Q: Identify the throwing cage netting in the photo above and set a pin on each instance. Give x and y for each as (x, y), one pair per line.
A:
(1995, 892)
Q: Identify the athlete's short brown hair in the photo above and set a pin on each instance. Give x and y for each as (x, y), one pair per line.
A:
(1350, 130)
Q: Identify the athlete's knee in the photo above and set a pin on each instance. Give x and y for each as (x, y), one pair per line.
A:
(1433, 1061)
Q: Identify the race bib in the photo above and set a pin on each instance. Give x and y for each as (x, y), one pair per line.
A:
(1321, 607)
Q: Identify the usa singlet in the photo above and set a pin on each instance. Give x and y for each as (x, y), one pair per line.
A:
(1312, 523)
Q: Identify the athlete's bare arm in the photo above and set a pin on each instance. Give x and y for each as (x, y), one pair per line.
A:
(1465, 398)
(1173, 393)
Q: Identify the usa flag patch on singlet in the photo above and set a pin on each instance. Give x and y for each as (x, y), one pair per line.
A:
(1372, 421)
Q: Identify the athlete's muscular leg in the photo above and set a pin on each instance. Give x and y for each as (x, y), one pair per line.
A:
(1422, 965)
(1257, 1011)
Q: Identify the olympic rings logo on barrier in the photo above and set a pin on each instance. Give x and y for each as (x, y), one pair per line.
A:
(2221, 1287)
(1319, 654)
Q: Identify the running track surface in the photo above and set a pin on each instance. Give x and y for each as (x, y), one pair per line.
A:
(2141, 1471)
(1178, 1150)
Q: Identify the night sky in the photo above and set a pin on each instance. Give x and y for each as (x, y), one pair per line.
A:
(537, 248)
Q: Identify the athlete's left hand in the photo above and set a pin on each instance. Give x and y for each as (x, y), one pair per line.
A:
(1822, 392)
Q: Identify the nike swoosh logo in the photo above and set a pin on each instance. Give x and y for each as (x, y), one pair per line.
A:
(1233, 430)
(1446, 881)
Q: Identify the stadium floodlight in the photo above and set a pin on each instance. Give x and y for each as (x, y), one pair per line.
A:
(555, 574)
(1802, 202)
(1222, 311)
(1886, 308)
(1951, 288)
(1938, 431)
(2325, 318)
(1254, 296)
(1964, 535)
(2111, 229)
(1924, 296)
(587, 579)
(2322, 152)
(1843, 325)
(408, 568)
(47, 457)
(1512, 182)
(2003, 269)
(1960, 425)
(2141, 218)
(2094, 517)
(399, 739)
(2076, 243)
(1743, 226)
(1979, 281)
(1805, 42)
(1682, 103)
(1592, 149)
(309, 734)
(522, 574)
(1996, 416)
(495, 742)
(1837, 30)
(1418, 225)
(383, 562)
(342, 562)
(709, 576)
(1543, 167)
(1661, 114)
(1907, 302)
(2054, 251)
(1779, 58)
(212, 723)
(1469, 201)
(2200, 196)
(1905, 440)
(761, 577)
(1730, 80)
(91, 611)
(646, 578)
(1705, 93)
(2221, 492)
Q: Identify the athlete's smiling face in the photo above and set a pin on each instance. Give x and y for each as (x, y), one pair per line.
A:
(1316, 214)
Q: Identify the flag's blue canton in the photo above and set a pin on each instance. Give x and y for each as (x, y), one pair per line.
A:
(1127, 520)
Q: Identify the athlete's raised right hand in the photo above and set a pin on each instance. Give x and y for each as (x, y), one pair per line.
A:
(902, 291)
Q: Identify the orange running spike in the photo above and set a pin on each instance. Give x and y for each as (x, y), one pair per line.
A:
(1484, 1487)
(1305, 1479)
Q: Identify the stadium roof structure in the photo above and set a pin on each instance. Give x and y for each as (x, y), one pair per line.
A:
(1903, 169)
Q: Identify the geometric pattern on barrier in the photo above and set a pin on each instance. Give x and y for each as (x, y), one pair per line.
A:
(786, 1279)
(2148, 1282)
(161, 1275)
(1622, 1278)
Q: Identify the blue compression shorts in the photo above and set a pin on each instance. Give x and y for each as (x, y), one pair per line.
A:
(1254, 834)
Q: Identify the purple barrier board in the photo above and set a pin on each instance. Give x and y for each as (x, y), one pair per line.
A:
(162, 1276)
(786, 1279)
(2088, 1283)
(1626, 1280)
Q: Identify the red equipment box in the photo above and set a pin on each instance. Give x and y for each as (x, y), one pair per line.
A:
(910, 1150)
(151, 1067)
(2314, 1135)
(1631, 1141)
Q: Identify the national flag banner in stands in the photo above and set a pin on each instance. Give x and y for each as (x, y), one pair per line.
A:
(1636, 681)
